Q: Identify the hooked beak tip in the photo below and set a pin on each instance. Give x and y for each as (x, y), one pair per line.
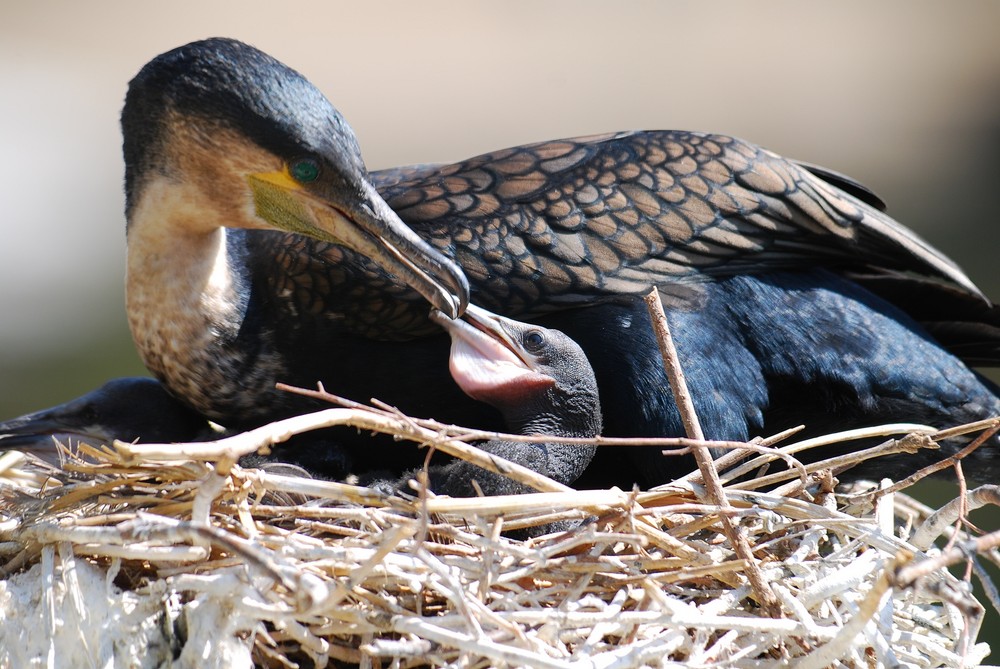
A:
(460, 302)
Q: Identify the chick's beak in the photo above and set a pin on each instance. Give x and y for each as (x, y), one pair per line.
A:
(484, 361)
(37, 432)
(364, 223)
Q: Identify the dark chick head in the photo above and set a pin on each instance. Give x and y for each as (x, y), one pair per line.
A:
(128, 409)
(539, 379)
(219, 134)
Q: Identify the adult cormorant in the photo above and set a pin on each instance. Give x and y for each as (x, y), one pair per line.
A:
(225, 145)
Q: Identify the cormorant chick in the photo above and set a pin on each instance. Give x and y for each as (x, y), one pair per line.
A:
(540, 381)
(128, 409)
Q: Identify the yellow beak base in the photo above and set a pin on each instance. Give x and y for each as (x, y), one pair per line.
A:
(277, 199)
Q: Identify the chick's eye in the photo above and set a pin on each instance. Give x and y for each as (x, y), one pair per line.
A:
(304, 170)
(534, 340)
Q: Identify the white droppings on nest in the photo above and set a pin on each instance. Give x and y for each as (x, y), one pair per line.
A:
(67, 612)
(169, 562)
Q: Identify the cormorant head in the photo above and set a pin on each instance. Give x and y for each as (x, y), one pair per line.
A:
(250, 143)
(539, 379)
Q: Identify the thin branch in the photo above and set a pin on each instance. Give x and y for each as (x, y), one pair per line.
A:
(235, 447)
(950, 461)
(703, 455)
(947, 515)
(962, 550)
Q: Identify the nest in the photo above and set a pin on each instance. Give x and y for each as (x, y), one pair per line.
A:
(173, 556)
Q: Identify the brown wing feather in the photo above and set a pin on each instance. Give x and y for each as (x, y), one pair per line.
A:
(570, 220)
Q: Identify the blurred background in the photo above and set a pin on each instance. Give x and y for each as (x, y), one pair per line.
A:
(903, 95)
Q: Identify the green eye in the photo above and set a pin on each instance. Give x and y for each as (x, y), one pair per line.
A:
(304, 170)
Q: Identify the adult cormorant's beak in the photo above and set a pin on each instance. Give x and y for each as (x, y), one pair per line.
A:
(363, 222)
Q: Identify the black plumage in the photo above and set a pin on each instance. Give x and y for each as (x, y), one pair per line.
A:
(764, 353)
